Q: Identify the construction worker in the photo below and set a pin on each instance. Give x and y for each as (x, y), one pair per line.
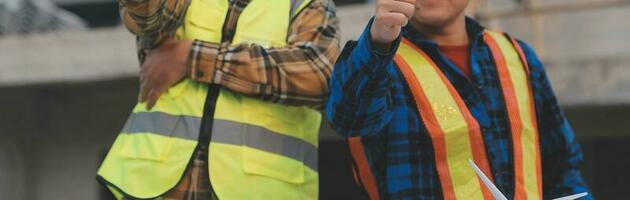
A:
(425, 89)
(228, 98)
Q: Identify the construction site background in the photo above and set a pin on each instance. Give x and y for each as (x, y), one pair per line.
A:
(68, 80)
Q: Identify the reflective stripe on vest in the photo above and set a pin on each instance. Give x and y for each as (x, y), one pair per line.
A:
(226, 132)
(455, 133)
(513, 75)
(361, 168)
(255, 145)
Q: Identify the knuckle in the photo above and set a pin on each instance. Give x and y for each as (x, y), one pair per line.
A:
(380, 19)
(409, 7)
(410, 10)
(386, 5)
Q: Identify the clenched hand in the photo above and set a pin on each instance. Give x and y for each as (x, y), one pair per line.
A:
(390, 17)
(163, 67)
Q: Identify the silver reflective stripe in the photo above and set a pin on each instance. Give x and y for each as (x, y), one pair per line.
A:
(224, 131)
(257, 137)
(185, 127)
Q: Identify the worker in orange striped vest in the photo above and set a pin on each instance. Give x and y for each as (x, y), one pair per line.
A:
(425, 89)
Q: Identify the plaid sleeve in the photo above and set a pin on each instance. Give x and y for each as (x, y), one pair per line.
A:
(152, 20)
(360, 102)
(294, 75)
(561, 153)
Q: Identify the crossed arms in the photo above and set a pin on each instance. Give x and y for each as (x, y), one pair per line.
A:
(297, 74)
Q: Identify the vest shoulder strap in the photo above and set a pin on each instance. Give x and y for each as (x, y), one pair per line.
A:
(521, 109)
(500, 37)
(455, 133)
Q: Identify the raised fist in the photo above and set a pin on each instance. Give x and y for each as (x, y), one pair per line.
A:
(390, 17)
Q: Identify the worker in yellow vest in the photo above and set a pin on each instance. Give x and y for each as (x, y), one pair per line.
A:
(425, 89)
(228, 99)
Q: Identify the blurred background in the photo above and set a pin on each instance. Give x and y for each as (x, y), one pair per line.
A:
(68, 80)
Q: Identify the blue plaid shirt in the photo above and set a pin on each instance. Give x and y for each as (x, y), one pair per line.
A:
(369, 98)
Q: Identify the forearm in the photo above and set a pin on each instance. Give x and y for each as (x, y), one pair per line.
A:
(360, 101)
(152, 20)
(296, 74)
(255, 71)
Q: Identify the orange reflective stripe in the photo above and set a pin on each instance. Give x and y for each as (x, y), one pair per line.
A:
(534, 120)
(515, 122)
(453, 130)
(517, 92)
(519, 50)
(476, 139)
(532, 116)
(363, 166)
(428, 118)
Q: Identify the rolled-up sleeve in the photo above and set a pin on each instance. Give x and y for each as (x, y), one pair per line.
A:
(152, 20)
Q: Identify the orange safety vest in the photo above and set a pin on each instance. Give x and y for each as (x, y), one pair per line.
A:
(456, 134)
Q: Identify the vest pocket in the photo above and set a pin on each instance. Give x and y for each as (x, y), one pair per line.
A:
(273, 145)
(272, 165)
(148, 136)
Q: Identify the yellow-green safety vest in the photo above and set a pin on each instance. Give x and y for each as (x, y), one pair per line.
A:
(257, 150)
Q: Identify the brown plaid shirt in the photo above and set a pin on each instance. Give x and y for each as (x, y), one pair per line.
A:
(297, 74)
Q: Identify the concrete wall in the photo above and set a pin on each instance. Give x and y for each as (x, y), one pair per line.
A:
(11, 169)
(57, 136)
(585, 52)
(64, 96)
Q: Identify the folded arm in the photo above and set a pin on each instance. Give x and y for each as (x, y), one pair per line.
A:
(297, 74)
